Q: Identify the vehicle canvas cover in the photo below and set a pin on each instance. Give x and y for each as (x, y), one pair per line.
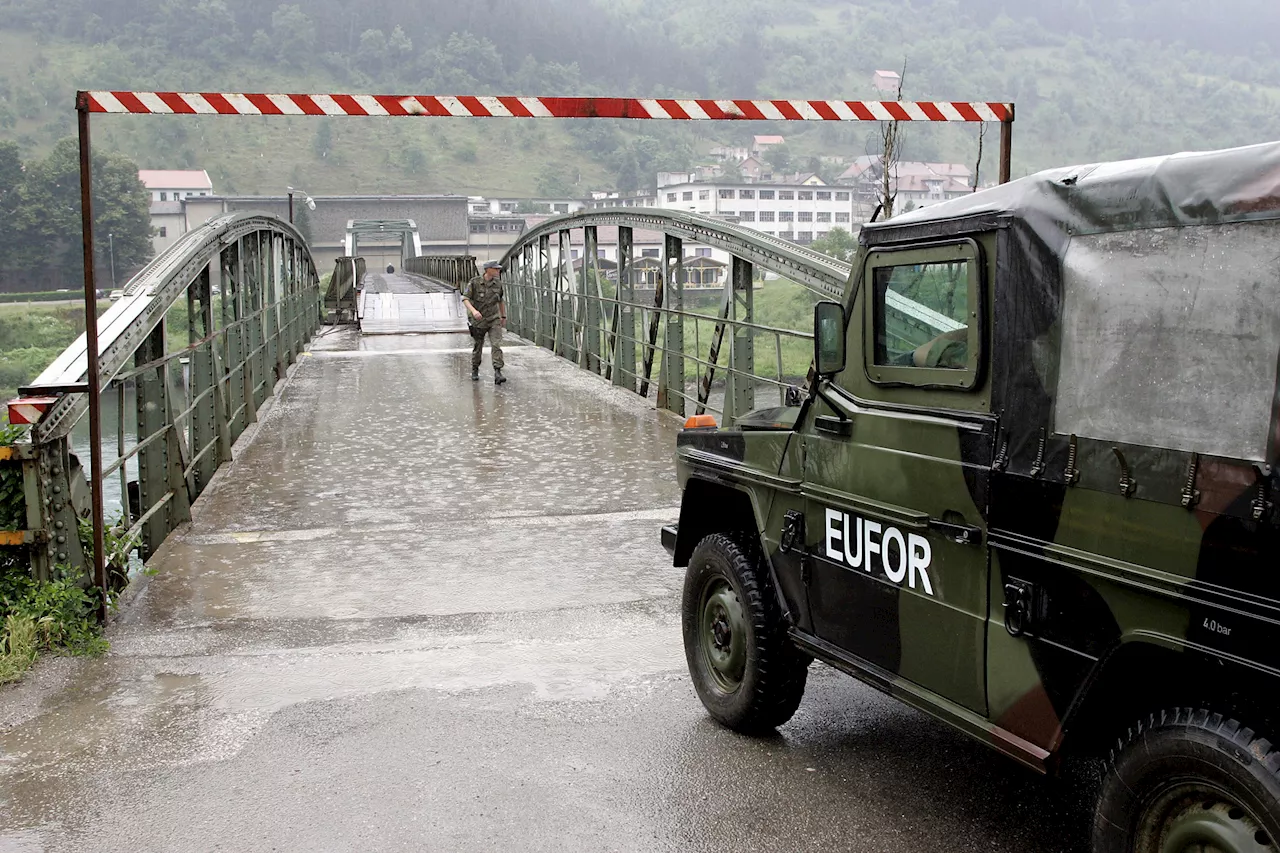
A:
(1129, 298)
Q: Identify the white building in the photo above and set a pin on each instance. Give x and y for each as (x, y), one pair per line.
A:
(801, 211)
(482, 206)
(175, 184)
(169, 188)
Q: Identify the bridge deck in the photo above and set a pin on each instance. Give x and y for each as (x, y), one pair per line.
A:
(419, 612)
(395, 303)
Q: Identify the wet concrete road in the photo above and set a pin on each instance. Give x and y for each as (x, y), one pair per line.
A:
(421, 613)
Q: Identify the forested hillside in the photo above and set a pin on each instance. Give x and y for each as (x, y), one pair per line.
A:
(1092, 79)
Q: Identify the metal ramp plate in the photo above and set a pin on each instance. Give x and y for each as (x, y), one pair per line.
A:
(394, 304)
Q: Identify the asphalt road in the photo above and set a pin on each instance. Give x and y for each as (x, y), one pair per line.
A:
(421, 613)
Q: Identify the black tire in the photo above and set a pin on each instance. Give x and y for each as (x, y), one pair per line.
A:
(1189, 780)
(727, 576)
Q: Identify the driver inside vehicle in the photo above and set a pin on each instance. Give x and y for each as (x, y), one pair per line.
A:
(950, 350)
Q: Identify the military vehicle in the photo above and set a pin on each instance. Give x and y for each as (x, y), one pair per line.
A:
(1029, 489)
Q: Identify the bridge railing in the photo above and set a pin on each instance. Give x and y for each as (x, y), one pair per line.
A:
(456, 270)
(692, 362)
(188, 356)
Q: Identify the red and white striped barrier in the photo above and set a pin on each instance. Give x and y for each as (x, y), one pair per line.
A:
(213, 103)
(28, 410)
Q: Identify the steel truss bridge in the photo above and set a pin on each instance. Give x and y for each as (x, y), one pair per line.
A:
(206, 331)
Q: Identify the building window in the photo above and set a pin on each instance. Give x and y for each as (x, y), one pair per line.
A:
(687, 196)
(671, 196)
(164, 232)
(842, 217)
(561, 208)
(702, 252)
(648, 253)
(824, 195)
(727, 213)
(804, 236)
(766, 194)
(573, 254)
(786, 195)
(786, 215)
(479, 227)
(805, 195)
(766, 216)
(164, 196)
(746, 193)
(726, 193)
(823, 216)
(600, 253)
(804, 216)
(842, 196)
(703, 195)
(748, 216)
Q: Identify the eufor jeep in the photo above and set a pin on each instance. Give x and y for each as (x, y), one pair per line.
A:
(1029, 489)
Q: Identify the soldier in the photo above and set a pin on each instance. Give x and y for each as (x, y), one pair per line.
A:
(487, 315)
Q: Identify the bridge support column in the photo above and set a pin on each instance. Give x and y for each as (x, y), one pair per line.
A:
(624, 337)
(233, 272)
(160, 463)
(671, 377)
(740, 391)
(546, 301)
(205, 443)
(565, 333)
(591, 297)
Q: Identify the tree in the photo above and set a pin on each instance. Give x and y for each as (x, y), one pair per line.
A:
(779, 157)
(891, 140)
(838, 243)
(46, 222)
(294, 34)
(302, 221)
(372, 53)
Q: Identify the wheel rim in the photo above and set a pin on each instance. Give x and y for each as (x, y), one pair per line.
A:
(1200, 818)
(723, 634)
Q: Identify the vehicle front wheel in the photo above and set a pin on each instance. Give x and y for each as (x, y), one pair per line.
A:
(1190, 781)
(747, 673)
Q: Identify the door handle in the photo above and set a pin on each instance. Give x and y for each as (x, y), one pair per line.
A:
(964, 534)
(834, 425)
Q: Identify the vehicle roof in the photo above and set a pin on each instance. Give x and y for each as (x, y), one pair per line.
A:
(1191, 188)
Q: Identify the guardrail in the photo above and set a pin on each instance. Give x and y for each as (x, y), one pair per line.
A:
(252, 301)
(456, 270)
(622, 339)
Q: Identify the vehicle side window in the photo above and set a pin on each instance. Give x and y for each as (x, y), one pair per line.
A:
(922, 316)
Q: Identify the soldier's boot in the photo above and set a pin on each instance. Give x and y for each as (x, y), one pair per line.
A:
(498, 378)
(475, 374)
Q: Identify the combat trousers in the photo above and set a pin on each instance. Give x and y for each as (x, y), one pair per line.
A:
(495, 345)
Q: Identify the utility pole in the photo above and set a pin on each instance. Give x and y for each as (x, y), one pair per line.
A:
(111, 241)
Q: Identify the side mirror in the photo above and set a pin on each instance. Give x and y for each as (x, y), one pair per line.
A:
(828, 338)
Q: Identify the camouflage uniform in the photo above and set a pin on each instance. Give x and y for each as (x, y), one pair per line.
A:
(486, 297)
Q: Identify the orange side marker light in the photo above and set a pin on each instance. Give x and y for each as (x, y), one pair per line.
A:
(700, 422)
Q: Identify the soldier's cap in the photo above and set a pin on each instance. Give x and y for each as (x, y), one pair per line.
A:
(493, 265)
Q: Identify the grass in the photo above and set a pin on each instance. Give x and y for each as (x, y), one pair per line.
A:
(18, 647)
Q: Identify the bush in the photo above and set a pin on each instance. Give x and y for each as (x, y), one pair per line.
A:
(46, 296)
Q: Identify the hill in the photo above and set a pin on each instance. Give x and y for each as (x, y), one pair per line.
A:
(1092, 80)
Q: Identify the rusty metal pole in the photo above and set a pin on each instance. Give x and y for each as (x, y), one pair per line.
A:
(1006, 148)
(91, 353)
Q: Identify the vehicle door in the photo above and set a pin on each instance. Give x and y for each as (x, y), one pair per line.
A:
(897, 459)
